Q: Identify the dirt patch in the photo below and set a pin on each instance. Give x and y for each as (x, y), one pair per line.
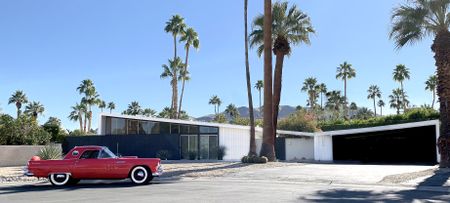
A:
(405, 177)
(15, 174)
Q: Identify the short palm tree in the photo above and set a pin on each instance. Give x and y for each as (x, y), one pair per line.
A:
(345, 72)
(364, 113)
(259, 86)
(165, 113)
(172, 71)
(290, 26)
(335, 101)
(34, 109)
(101, 105)
(374, 93)
(111, 106)
(190, 38)
(149, 112)
(322, 88)
(77, 114)
(134, 109)
(353, 107)
(396, 99)
(18, 98)
(431, 84)
(232, 111)
(310, 86)
(381, 105)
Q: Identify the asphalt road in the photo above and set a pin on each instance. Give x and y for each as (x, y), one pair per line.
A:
(216, 190)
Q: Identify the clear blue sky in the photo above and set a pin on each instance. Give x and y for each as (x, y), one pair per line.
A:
(48, 47)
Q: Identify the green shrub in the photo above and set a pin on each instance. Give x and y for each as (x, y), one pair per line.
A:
(299, 121)
(221, 152)
(22, 131)
(254, 159)
(412, 115)
(192, 155)
(50, 152)
(163, 154)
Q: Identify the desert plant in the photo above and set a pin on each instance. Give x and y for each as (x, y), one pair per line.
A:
(254, 159)
(221, 152)
(50, 152)
(163, 154)
(192, 155)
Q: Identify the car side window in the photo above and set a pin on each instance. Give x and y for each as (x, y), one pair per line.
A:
(90, 154)
(103, 155)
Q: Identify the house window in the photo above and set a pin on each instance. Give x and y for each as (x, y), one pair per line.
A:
(117, 126)
(148, 128)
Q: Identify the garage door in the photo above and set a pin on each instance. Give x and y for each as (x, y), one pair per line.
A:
(404, 146)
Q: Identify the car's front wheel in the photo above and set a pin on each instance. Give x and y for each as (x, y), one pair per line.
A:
(59, 179)
(140, 175)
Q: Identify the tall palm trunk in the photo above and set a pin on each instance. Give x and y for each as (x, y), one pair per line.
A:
(374, 107)
(434, 99)
(252, 150)
(403, 97)
(346, 99)
(267, 147)
(441, 49)
(85, 121)
(80, 118)
(174, 85)
(183, 82)
(18, 106)
(321, 104)
(381, 111)
(90, 120)
(260, 106)
(277, 90)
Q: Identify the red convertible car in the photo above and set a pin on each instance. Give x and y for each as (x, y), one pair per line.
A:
(94, 162)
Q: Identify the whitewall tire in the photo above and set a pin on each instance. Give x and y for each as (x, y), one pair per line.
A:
(140, 175)
(59, 179)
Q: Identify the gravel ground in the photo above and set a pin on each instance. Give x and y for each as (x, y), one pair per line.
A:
(15, 174)
(214, 169)
(404, 177)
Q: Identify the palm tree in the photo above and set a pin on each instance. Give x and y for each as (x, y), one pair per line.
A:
(345, 72)
(310, 86)
(190, 38)
(335, 101)
(111, 106)
(289, 26)
(77, 114)
(364, 113)
(431, 84)
(373, 93)
(252, 147)
(400, 74)
(165, 113)
(18, 98)
(102, 105)
(149, 112)
(216, 102)
(268, 142)
(175, 26)
(413, 21)
(232, 111)
(171, 71)
(322, 88)
(381, 105)
(90, 98)
(259, 86)
(396, 99)
(134, 109)
(34, 109)
(353, 108)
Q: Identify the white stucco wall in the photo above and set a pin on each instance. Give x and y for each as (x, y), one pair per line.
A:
(237, 142)
(300, 148)
(323, 148)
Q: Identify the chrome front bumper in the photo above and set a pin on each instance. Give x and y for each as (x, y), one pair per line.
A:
(26, 172)
(159, 171)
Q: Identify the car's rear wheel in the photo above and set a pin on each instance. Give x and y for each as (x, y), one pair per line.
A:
(140, 175)
(59, 179)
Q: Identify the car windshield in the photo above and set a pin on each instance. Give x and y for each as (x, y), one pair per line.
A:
(106, 153)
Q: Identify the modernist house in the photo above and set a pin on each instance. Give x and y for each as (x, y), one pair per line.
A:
(146, 136)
